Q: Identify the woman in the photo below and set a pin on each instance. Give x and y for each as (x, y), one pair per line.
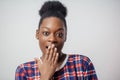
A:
(54, 64)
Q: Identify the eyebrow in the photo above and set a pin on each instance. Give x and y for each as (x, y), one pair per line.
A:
(60, 29)
(45, 27)
(57, 30)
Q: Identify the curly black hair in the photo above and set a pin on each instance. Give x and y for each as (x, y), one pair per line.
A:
(55, 9)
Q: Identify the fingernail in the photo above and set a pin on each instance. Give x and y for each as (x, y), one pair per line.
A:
(55, 49)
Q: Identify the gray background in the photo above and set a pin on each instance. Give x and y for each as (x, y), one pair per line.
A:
(93, 30)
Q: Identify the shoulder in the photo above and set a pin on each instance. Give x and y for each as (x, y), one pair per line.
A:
(23, 67)
(79, 58)
(24, 70)
(27, 64)
(82, 61)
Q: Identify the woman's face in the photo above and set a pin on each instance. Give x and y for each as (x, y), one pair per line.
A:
(51, 31)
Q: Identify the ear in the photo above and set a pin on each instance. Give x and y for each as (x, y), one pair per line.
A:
(37, 34)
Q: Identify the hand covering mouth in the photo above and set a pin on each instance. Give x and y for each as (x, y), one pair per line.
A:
(48, 46)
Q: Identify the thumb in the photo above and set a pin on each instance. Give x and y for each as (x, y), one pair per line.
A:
(38, 61)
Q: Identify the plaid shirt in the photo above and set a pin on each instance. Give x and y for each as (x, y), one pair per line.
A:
(77, 67)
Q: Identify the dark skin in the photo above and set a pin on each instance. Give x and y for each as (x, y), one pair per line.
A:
(51, 36)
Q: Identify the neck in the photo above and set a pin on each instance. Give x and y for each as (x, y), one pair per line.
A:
(61, 58)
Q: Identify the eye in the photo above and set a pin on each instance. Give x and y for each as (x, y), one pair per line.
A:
(45, 33)
(60, 34)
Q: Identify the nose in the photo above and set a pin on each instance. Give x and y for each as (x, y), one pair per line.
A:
(52, 39)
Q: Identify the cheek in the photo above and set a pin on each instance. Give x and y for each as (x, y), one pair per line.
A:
(42, 39)
(42, 43)
(61, 44)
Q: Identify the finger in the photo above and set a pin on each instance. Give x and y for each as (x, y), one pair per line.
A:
(47, 53)
(51, 52)
(56, 58)
(54, 54)
(36, 60)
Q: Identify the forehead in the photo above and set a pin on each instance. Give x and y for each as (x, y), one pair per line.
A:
(52, 23)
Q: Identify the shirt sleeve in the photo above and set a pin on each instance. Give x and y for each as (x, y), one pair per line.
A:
(20, 73)
(90, 73)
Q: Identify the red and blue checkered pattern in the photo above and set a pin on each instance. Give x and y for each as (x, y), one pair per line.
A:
(77, 67)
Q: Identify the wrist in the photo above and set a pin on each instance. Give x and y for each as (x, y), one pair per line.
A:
(44, 78)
